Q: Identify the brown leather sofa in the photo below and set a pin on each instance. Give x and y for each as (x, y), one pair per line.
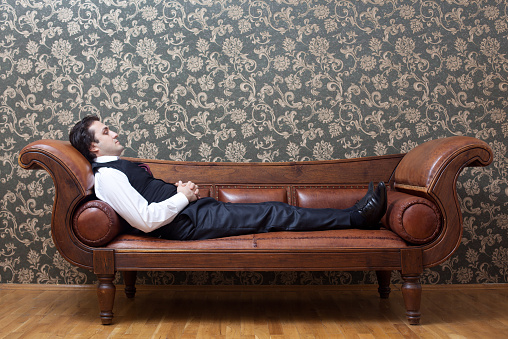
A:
(422, 226)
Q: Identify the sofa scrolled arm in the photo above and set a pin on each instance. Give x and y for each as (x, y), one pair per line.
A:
(421, 168)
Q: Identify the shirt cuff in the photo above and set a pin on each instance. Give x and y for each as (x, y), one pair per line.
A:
(180, 201)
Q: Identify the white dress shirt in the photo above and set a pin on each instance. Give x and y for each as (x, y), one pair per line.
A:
(113, 187)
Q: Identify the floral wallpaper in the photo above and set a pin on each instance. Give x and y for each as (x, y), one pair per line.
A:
(254, 80)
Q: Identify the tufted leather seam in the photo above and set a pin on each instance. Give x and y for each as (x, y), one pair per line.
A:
(409, 204)
(108, 215)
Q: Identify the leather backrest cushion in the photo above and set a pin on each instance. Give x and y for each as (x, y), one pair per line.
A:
(95, 223)
(415, 219)
(239, 194)
(327, 197)
(204, 191)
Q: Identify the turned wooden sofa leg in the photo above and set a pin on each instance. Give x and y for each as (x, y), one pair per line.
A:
(129, 278)
(412, 293)
(106, 295)
(383, 280)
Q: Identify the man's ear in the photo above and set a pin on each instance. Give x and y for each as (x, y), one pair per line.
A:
(94, 148)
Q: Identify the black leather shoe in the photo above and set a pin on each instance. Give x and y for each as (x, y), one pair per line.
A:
(361, 203)
(369, 215)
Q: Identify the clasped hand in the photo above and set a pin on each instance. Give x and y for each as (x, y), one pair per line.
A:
(188, 188)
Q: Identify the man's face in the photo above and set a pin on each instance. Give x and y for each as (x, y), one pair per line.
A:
(107, 142)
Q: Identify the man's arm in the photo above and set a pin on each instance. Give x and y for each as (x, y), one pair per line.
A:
(113, 187)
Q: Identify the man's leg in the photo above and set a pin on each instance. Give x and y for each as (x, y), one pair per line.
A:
(215, 219)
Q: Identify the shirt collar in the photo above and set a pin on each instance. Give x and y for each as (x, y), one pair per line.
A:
(106, 158)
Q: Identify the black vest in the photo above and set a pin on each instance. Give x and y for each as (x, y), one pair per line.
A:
(152, 189)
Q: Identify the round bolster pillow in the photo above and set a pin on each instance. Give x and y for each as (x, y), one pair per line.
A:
(95, 223)
(414, 219)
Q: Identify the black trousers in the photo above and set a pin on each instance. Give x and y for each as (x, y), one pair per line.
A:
(208, 218)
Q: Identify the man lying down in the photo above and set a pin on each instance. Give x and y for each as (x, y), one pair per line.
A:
(176, 211)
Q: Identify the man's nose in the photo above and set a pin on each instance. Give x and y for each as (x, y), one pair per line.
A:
(113, 134)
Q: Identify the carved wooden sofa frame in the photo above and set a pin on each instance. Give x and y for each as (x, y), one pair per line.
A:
(422, 227)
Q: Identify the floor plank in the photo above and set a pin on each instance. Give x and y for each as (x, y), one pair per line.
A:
(459, 311)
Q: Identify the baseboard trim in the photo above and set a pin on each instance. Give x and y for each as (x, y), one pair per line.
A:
(366, 287)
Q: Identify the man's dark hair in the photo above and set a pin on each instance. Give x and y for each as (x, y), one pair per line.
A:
(81, 137)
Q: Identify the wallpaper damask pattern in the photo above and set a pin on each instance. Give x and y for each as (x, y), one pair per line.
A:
(246, 80)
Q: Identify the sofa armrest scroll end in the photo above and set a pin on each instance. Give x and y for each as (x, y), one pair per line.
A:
(95, 223)
(415, 219)
(424, 165)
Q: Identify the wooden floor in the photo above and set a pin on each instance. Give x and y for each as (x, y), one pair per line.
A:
(34, 311)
